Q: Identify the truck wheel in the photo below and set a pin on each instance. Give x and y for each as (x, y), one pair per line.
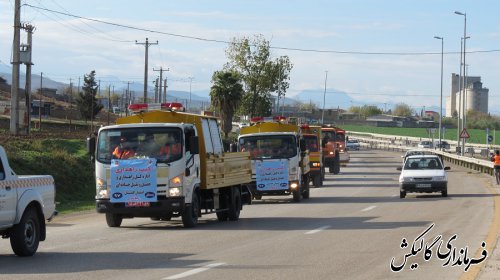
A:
(190, 214)
(222, 216)
(323, 171)
(25, 236)
(305, 191)
(257, 197)
(235, 206)
(336, 164)
(317, 181)
(114, 220)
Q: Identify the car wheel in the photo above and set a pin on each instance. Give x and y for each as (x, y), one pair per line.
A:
(25, 236)
(444, 193)
(402, 194)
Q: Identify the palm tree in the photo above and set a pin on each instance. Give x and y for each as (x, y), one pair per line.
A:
(225, 94)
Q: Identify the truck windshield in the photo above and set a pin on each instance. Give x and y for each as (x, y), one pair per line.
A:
(164, 144)
(265, 146)
(311, 143)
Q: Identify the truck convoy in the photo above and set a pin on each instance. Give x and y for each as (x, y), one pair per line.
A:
(25, 203)
(334, 151)
(280, 162)
(163, 163)
(312, 138)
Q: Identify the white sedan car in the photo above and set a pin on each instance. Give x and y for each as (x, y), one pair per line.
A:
(352, 144)
(423, 174)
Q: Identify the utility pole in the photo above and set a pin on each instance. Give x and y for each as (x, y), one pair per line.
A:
(190, 82)
(127, 98)
(324, 99)
(14, 105)
(27, 89)
(70, 100)
(146, 45)
(40, 104)
(160, 84)
(165, 90)
(109, 101)
(155, 82)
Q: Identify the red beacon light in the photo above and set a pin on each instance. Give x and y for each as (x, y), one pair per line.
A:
(172, 106)
(279, 118)
(256, 119)
(137, 108)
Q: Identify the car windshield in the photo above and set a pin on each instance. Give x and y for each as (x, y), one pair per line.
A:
(423, 163)
(164, 144)
(264, 146)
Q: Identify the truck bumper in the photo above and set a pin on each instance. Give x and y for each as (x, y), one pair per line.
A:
(159, 208)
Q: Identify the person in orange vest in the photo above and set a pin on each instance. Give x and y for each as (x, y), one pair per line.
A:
(496, 162)
(173, 147)
(123, 151)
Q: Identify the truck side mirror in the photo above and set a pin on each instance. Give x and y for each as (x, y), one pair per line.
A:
(194, 144)
(233, 147)
(303, 147)
(91, 147)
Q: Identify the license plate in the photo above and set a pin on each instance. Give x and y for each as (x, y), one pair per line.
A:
(423, 185)
(137, 204)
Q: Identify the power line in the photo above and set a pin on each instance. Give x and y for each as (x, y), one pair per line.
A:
(229, 42)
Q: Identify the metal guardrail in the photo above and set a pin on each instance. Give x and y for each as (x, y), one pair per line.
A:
(480, 165)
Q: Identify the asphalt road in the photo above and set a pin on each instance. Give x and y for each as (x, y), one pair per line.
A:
(351, 228)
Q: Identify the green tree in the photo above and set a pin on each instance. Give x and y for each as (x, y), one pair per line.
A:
(403, 110)
(86, 101)
(261, 75)
(225, 94)
(365, 110)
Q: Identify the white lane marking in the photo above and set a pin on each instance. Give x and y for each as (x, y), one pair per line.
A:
(368, 208)
(317, 230)
(193, 271)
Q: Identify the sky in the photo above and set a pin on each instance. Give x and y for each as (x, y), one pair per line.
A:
(373, 50)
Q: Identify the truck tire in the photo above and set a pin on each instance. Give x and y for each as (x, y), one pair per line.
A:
(235, 205)
(114, 220)
(222, 216)
(305, 187)
(190, 214)
(336, 164)
(25, 236)
(317, 181)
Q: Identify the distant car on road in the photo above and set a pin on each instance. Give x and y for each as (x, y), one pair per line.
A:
(242, 125)
(425, 144)
(423, 174)
(444, 144)
(352, 144)
(415, 152)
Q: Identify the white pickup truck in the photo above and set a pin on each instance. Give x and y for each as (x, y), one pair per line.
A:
(25, 203)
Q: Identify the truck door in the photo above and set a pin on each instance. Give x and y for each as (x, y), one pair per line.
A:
(8, 199)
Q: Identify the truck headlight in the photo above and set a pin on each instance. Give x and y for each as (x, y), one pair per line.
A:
(315, 164)
(294, 185)
(331, 153)
(101, 188)
(174, 191)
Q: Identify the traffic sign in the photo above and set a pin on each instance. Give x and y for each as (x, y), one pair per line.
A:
(464, 134)
(490, 138)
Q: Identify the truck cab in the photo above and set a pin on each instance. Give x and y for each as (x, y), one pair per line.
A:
(280, 161)
(312, 138)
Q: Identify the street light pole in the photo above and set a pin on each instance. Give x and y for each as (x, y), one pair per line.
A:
(463, 83)
(324, 99)
(441, 96)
